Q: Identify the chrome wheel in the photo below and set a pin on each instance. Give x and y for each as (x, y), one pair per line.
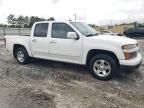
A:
(20, 56)
(102, 68)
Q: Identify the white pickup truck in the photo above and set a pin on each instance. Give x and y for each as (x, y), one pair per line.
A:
(78, 43)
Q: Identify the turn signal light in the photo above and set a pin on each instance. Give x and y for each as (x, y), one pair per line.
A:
(126, 54)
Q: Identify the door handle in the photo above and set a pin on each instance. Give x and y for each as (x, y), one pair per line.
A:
(53, 41)
(33, 40)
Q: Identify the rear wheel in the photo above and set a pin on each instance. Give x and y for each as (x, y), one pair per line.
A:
(103, 67)
(22, 56)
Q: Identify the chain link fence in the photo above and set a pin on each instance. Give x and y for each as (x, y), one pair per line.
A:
(14, 31)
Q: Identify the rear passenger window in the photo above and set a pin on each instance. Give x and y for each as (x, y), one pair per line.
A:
(60, 30)
(41, 30)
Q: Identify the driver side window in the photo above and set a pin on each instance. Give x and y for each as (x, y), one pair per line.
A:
(60, 30)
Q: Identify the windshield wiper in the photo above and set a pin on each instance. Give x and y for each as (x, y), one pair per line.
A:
(96, 34)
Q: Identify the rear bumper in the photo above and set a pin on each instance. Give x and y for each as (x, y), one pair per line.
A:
(131, 64)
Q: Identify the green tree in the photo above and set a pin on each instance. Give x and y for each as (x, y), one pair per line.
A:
(3, 25)
(11, 19)
(27, 21)
(34, 19)
(21, 21)
(51, 19)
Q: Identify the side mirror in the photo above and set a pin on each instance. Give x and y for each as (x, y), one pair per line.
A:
(72, 35)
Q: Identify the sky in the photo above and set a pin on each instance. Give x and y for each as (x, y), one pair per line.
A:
(99, 12)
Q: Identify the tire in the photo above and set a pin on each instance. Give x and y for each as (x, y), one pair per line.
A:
(22, 56)
(103, 67)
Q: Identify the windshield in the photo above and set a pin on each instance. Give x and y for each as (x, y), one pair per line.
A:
(84, 29)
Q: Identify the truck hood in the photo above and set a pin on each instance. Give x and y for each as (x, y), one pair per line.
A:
(115, 39)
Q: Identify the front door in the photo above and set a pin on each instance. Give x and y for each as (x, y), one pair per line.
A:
(62, 48)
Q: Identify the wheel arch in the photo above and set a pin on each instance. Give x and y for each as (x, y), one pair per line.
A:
(16, 46)
(94, 52)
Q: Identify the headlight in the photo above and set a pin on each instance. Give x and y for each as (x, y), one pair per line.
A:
(128, 55)
(130, 46)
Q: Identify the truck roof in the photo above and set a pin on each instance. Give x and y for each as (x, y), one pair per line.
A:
(52, 22)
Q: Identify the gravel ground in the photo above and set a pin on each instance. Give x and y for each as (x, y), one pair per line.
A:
(47, 84)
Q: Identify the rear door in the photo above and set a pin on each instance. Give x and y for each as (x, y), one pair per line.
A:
(39, 40)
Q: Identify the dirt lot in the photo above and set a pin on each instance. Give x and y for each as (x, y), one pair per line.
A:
(46, 84)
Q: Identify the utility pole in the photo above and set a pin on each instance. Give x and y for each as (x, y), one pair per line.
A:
(111, 22)
(85, 15)
(70, 20)
(75, 17)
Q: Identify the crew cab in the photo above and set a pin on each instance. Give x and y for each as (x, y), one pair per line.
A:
(78, 43)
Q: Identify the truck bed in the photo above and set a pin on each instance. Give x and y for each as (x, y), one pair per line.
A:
(16, 39)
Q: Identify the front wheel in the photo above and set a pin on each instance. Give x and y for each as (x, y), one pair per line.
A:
(22, 56)
(103, 67)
